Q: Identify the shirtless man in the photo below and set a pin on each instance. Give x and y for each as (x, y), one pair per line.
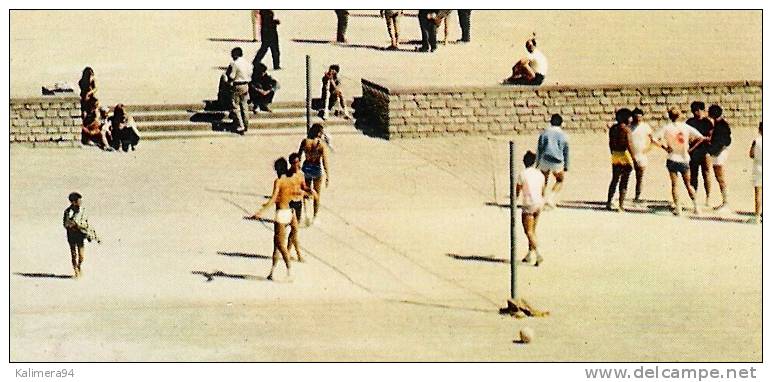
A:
(283, 191)
(301, 191)
(619, 143)
(315, 166)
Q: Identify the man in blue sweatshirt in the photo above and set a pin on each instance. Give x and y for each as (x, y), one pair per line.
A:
(552, 156)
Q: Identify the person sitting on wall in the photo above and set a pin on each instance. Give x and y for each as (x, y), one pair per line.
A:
(262, 88)
(531, 69)
(91, 130)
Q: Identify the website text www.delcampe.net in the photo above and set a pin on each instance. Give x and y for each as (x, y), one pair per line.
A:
(657, 372)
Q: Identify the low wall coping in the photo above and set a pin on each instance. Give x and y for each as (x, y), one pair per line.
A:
(389, 87)
(52, 98)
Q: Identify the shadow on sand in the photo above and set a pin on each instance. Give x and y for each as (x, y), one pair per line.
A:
(226, 39)
(43, 275)
(485, 259)
(210, 276)
(244, 255)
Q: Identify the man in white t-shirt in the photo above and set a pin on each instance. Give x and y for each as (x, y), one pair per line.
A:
(675, 138)
(642, 137)
(530, 182)
(531, 69)
(239, 74)
(756, 154)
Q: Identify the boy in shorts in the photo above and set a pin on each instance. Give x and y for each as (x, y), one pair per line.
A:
(756, 155)
(675, 138)
(718, 149)
(531, 183)
(552, 156)
(78, 230)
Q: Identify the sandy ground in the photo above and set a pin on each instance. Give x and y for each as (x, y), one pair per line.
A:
(407, 261)
(409, 273)
(176, 56)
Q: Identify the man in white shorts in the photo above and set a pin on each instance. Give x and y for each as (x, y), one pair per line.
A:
(531, 183)
(284, 189)
(718, 149)
(552, 156)
(756, 155)
(675, 138)
(642, 137)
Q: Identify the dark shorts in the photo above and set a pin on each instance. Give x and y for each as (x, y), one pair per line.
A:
(538, 80)
(297, 206)
(677, 166)
(75, 238)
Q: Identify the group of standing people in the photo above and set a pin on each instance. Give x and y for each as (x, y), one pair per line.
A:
(700, 143)
(293, 185)
(108, 132)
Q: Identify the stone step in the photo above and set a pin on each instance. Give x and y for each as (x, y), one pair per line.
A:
(334, 130)
(254, 122)
(185, 115)
(199, 106)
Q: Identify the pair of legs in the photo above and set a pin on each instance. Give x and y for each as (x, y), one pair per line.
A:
(279, 247)
(260, 101)
(522, 71)
(269, 40)
(392, 25)
(559, 177)
(705, 164)
(757, 207)
(428, 32)
(342, 25)
(334, 100)
(125, 138)
(316, 184)
(718, 169)
(96, 135)
(530, 219)
(292, 241)
(77, 253)
(464, 21)
(239, 107)
(639, 171)
(620, 175)
(681, 168)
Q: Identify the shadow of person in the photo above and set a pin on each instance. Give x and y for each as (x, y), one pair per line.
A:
(245, 255)
(43, 275)
(210, 276)
(485, 259)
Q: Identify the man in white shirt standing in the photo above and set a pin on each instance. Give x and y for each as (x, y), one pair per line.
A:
(642, 137)
(675, 138)
(238, 74)
(531, 69)
(530, 182)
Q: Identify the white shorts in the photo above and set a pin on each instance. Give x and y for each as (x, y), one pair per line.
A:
(757, 176)
(720, 160)
(641, 160)
(531, 209)
(283, 216)
(547, 166)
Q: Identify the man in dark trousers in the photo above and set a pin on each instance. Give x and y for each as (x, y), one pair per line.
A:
(269, 38)
(428, 30)
(464, 20)
(699, 158)
(342, 24)
(262, 88)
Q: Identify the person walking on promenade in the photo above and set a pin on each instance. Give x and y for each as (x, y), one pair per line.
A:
(269, 38)
(530, 182)
(699, 152)
(465, 22)
(531, 69)
(675, 138)
(756, 154)
(238, 76)
(718, 149)
(392, 25)
(316, 166)
(283, 190)
(552, 157)
(620, 145)
(342, 15)
(641, 140)
(78, 230)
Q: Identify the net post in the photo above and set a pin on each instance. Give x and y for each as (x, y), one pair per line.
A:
(512, 221)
